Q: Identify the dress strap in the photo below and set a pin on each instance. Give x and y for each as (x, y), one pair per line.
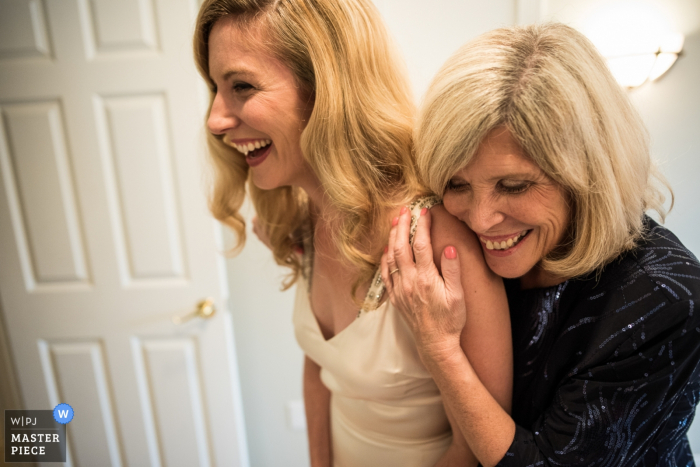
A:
(376, 287)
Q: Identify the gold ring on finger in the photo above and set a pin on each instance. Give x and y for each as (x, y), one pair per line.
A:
(395, 270)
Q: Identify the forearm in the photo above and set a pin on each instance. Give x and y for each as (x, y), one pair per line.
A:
(317, 399)
(486, 335)
(486, 339)
(458, 454)
(486, 426)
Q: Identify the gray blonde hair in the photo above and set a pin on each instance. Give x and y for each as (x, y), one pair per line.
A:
(358, 139)
(548, 85)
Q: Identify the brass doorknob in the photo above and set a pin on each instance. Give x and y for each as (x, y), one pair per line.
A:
(205, 309)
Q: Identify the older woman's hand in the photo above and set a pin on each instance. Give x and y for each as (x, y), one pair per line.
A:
(432, 305)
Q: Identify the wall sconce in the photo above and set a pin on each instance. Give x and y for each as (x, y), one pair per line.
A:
(634, 69)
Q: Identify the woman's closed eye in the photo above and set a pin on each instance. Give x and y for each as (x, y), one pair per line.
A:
(513, 187)
(241, 87)
(457, 185)
(508, 187)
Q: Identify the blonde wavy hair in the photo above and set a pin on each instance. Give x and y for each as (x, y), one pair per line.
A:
(548, 85)
(358, 139)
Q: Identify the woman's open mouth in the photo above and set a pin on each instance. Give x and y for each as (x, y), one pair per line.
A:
(255, 152)
(505, 244)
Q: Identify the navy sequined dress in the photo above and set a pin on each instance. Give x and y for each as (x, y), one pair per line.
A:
(607, 371)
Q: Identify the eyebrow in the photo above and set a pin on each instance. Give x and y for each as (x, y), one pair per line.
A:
(516, 175)
(234, 73)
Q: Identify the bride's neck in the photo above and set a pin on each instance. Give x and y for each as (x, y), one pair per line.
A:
(320, 207)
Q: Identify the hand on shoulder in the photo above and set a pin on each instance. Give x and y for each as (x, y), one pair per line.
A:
(432, 304)
(447, 230)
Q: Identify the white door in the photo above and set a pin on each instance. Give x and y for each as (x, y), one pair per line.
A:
(105, 235)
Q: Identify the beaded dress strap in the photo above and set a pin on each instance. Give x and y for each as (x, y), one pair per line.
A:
(376, 287)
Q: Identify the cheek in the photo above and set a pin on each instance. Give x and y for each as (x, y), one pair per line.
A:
(562, 216)
(253, 115)
(554, 216)
(451, 202)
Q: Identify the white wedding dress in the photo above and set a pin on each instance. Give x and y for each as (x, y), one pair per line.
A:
(386, 410)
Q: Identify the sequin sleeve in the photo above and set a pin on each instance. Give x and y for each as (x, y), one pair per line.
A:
(611, 412)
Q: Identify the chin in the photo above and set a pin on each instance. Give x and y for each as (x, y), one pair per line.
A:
(507, 271)
(263, 184)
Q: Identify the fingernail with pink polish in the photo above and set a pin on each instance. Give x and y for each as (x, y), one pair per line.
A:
(450, 252)
(423, 211)
(404, 209)
(394, 221)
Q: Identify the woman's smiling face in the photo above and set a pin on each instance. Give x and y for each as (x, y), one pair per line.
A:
(519, 214)
(258, 108)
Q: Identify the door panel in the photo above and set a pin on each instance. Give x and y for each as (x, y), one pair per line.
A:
(134, 144)
(44, 211)
(76, 371)
(23, 32)
(174, 398)
(111, 28)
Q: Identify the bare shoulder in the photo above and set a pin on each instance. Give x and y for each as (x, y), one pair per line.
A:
(447, 230)
(445, 224)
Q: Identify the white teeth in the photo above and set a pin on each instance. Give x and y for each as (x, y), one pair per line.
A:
(246, 148)
(503, 245)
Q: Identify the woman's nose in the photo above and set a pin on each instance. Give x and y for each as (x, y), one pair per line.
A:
(484, 214)
(221, 117)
